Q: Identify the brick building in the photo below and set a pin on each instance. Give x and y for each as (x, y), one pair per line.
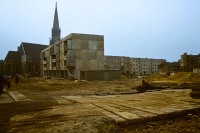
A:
(26, 60)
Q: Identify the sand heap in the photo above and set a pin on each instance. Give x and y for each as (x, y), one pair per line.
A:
(180, 76)
(156, 77)
(185, 76)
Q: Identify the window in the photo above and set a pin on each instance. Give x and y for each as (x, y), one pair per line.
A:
(69, 44)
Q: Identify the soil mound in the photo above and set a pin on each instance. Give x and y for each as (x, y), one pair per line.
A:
(180, 76)
(156, 77)
(185, 76)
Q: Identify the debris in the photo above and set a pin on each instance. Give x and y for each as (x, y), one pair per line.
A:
(76, 81)
(84, 81)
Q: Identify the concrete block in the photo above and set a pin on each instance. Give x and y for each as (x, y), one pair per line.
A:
(128, 115)
(76, 44)
(17, 96)
(100, 65)
(78, 64)
(84, 54)
(100, 55)
(84, 45)
(116, 118)
(5, 98)
(86, 65)
(92, 65)
(92, 54)
(100, 45)
(92, 45)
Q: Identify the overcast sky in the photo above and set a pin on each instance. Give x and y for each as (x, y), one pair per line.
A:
(162, 29)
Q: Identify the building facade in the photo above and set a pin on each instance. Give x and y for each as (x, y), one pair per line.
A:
(135, 66)
(189, 62)
(169, 67)
(145, 66)
(117, 63)
(26, 60)
(73, 54)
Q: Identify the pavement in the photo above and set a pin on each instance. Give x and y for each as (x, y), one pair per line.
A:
(73, 113)
(12, 96)
(128, 108)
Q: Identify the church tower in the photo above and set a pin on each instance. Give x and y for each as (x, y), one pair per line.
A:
(55, 33)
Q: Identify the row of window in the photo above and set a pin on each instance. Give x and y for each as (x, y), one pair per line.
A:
(148, 61)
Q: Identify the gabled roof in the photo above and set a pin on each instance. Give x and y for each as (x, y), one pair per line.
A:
(13, 56)
(31, 50)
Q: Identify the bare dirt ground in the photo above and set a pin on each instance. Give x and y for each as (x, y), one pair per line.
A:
(187, 122)
(43, 92)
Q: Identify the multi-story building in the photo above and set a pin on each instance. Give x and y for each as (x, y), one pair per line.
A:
(79, 56)
(117, 63)
(135, 66)
(71, 55)
(169, 67)
(189, 62)
(144, 66)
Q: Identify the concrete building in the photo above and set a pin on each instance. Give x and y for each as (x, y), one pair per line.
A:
(79, 56)
(135, 66)
(71, 55)
(189, 62)
(117, 63)
(169, 67)
(144, 66)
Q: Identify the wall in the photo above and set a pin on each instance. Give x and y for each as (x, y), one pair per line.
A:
(145, 66)
(100, 75)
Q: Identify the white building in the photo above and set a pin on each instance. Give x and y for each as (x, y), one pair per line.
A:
(144, 66)
(117, 62)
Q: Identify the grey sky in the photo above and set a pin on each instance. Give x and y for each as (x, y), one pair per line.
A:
(136, 28)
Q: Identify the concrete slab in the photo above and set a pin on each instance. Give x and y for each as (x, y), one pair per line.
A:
(123, 108)
(17, 97)
(5, 98)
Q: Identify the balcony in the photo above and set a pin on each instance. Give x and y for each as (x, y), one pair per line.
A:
(53, 60)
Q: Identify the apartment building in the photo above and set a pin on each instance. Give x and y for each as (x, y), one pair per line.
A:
(71, 55)
(144, 66)
(117, 63)
(189, 62)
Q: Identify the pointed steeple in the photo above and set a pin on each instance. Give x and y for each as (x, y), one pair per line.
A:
(56, 29)
(56, 22)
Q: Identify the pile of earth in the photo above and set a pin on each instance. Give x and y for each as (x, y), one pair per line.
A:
(180, 77)
(156, 77)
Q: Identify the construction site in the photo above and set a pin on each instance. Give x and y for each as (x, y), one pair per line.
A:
(158, 103)
(71, 86)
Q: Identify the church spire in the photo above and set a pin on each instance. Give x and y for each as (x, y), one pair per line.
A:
(55, 30)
